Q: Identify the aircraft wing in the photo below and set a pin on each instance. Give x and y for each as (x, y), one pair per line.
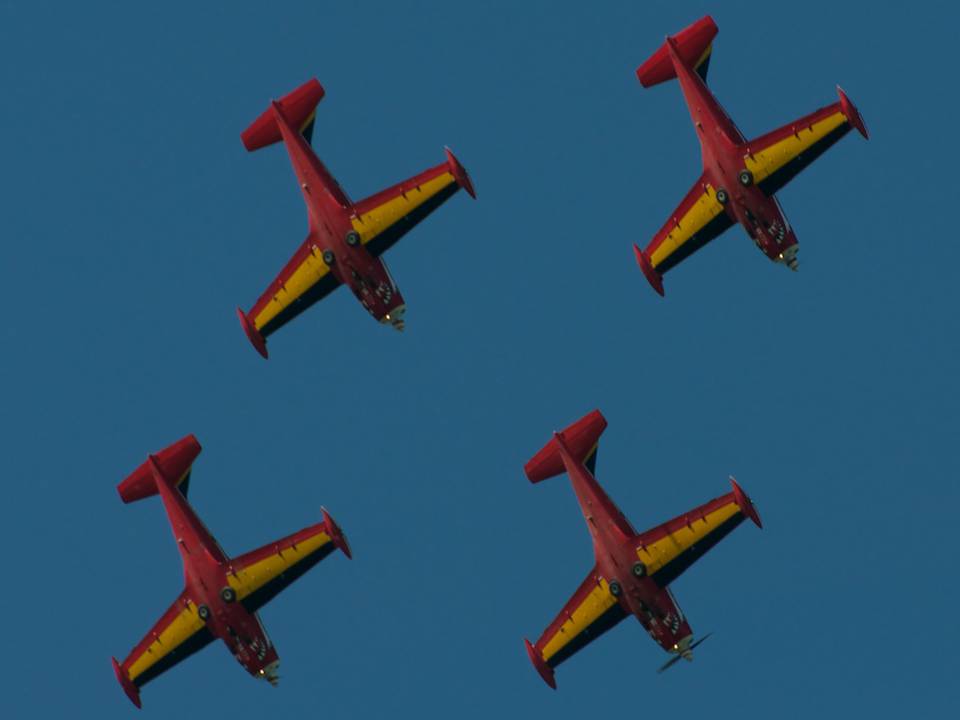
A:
(258, 576)
(777, 157)
(304, 280)
(177, 635)
(669, 549)
(384, 218)
(587, 615)
(697, 220)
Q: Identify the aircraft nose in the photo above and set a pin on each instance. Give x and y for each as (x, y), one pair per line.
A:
(395, 317)
(683, 648)
(269, 673)
(789, 257)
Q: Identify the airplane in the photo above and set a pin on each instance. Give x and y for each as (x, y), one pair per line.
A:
(222, 595)
(633, 571)
(345, 240)
(740, 177)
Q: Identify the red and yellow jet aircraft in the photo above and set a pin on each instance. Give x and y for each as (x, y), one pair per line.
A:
(633, 570)
(345, 240)
(222, 595)
(740, 177)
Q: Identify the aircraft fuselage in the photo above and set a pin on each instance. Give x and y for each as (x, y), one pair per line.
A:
(614, 544)
(723, 148)
(206, 569)
(333, 235)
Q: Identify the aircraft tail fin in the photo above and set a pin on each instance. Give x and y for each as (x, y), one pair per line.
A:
(580, 439)
(298, 107)
(172, 463)
(693, 44)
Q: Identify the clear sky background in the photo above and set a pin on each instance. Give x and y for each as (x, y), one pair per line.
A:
(133, 223)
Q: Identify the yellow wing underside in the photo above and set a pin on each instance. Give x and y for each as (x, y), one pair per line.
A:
(767, 161)
(369, 225)
(184, 626)
(375, 221)
(244, 582)
(596, 604)
(658, 554)
(693, 221)
(256, 575)
(308, 274)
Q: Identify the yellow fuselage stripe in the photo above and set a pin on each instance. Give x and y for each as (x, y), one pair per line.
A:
(767, 161)
(706, 54)
(310, 118)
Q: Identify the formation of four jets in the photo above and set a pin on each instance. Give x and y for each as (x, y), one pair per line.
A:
(344, 246)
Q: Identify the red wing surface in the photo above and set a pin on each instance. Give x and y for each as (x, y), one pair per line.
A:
(381, 220)
(697, 220)
(777, 157)
(670, 548)
(176, 636)
(384, 218)
(587, 615)
(258, 576)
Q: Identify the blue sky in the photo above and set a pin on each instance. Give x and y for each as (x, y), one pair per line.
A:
(134, 222)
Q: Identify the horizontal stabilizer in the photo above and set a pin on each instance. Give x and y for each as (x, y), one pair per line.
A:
(693, 44)
(298, 108)
(580, 439)
(172, 463)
